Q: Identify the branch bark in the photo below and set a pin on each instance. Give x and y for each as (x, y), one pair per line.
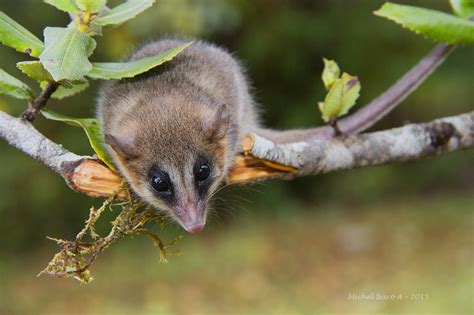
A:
(84, 174)
(410, 142)
(261, 158)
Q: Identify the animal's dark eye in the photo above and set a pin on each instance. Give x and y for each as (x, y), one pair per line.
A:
(203, 172)
(160, 185)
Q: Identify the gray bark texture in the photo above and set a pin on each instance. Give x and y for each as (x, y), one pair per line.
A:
(410, 142)
(22, 135)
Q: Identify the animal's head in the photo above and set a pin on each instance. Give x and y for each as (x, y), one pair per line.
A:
(175, 157)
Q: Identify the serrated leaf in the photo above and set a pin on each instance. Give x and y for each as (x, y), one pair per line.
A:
(436, 25)
(35, 70)
(92, 6)
(331, 73)
(106, 70)
(16, 36)
(91, 127)
(123, 12)
(66, 53)
(463, 8)
(341, 97)
(64, 5)
(11, 86)
(350, 94)
(332, 102)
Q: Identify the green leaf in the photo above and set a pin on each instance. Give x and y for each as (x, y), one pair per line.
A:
(351, 93)
(341, 97)
(331, 105)
(11, 86)
(67, 89)
(331, 73)
(92, 129)
(16, 36)
(106, 71)
(63, 92)
(436, 25)
(63, 5)
(92, 6)
(123, 12)
(463, 8)
(35, 70)
(66, 52)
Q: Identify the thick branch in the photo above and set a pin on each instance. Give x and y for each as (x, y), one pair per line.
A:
(82, 173)
(410, 142)
(262, 158)
(25, 137)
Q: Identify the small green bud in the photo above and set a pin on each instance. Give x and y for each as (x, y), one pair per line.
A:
(341, 97)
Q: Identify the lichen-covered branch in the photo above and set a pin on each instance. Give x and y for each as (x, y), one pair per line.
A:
(261, 158)
(82, 173)
(22, 135)
(410, 142)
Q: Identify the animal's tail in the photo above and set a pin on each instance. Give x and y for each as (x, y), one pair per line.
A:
(374, 111)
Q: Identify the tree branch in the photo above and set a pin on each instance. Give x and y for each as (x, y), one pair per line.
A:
(410, 142)
(82, 173)
(261, 158)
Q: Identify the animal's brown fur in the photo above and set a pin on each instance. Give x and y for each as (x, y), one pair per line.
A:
(196, 104)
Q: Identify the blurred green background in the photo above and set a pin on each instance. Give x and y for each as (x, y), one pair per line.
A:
(298, 247)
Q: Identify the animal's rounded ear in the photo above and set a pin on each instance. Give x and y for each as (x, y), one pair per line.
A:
(216, 123)
(123, 145)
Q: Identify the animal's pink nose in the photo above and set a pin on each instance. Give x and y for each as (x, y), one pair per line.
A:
(194, 228)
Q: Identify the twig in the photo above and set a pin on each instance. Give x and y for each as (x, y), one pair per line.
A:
(39, 102)
(335, 126)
